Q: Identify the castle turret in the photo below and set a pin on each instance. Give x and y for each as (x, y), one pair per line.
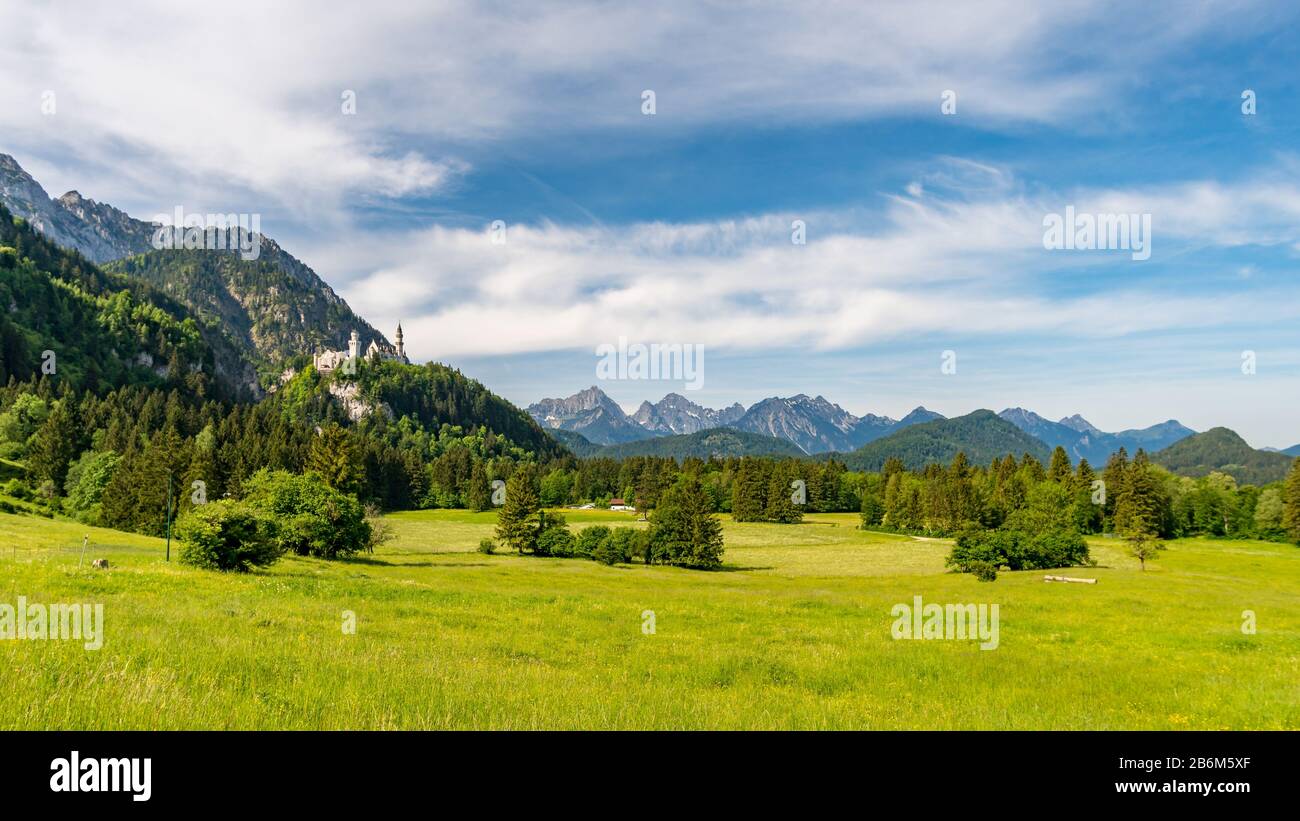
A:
(354, 345)
(401, 350)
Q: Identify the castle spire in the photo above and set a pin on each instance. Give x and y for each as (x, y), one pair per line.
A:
(401, 350)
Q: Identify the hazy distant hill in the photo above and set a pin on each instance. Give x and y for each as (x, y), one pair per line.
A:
(981, 435)
(721, 442)
(580, 445)
(1082, 440)
(1223, 450)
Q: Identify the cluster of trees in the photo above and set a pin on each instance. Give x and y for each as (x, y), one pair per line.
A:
(985, 552)
(280, 513)
(683, 530)
(109, 459)
(1127, 496)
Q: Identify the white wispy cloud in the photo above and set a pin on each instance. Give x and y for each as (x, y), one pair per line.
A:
(962, 251)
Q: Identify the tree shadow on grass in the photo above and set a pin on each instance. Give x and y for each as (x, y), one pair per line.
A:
(383, 563)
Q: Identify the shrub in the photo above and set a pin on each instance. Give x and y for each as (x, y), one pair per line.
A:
(1061, 549)
(1016, 550)
(984, 571)
(310, 518)
(589, 539)
(486, 545)
(226, 535)
(986, 546)
(617, 549)
(17, 489)
(556, 540)
(88, 476)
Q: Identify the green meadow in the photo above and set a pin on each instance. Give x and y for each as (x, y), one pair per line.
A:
(793, 633)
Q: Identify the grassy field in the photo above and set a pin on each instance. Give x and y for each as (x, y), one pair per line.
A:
(793, 633)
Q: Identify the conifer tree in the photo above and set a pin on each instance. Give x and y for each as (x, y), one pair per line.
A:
(54, 445)
(781, 506)
(1059, 471)
(478, 495)
(684, 530)
(335, 459)
(519, 522)
(749, 491)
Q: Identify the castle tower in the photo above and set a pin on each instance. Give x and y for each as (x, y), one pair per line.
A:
(354, 345)
(401, 351)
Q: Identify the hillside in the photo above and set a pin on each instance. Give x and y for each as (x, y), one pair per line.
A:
(104, 330)
(274, 305)
(720, 442)
(578, 444)
(1221, 449)
(981, 435)
(433, 395)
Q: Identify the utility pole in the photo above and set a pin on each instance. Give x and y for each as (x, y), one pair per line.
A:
(169, 518)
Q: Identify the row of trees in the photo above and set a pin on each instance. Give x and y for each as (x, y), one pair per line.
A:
(110, 458)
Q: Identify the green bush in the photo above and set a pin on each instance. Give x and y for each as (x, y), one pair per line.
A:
(310, 518)
(589, 539)
(1062, 549)
(1016, 550)
(17, 489)
(984, 571)
(226, 535)
(486, 545)
(555, 540)
(617, 548)
(87, 478)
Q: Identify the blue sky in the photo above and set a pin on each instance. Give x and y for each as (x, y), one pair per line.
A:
(924, 230)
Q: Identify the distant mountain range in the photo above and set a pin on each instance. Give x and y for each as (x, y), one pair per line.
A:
(590, 423)
(817, 425)
(813, 424)
(1082, 440)
(274, 306)
(254, 314)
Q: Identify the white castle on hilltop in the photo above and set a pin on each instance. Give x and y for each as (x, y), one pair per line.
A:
(376, 351)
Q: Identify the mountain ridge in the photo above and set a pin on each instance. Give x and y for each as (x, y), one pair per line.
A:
(276, 306)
